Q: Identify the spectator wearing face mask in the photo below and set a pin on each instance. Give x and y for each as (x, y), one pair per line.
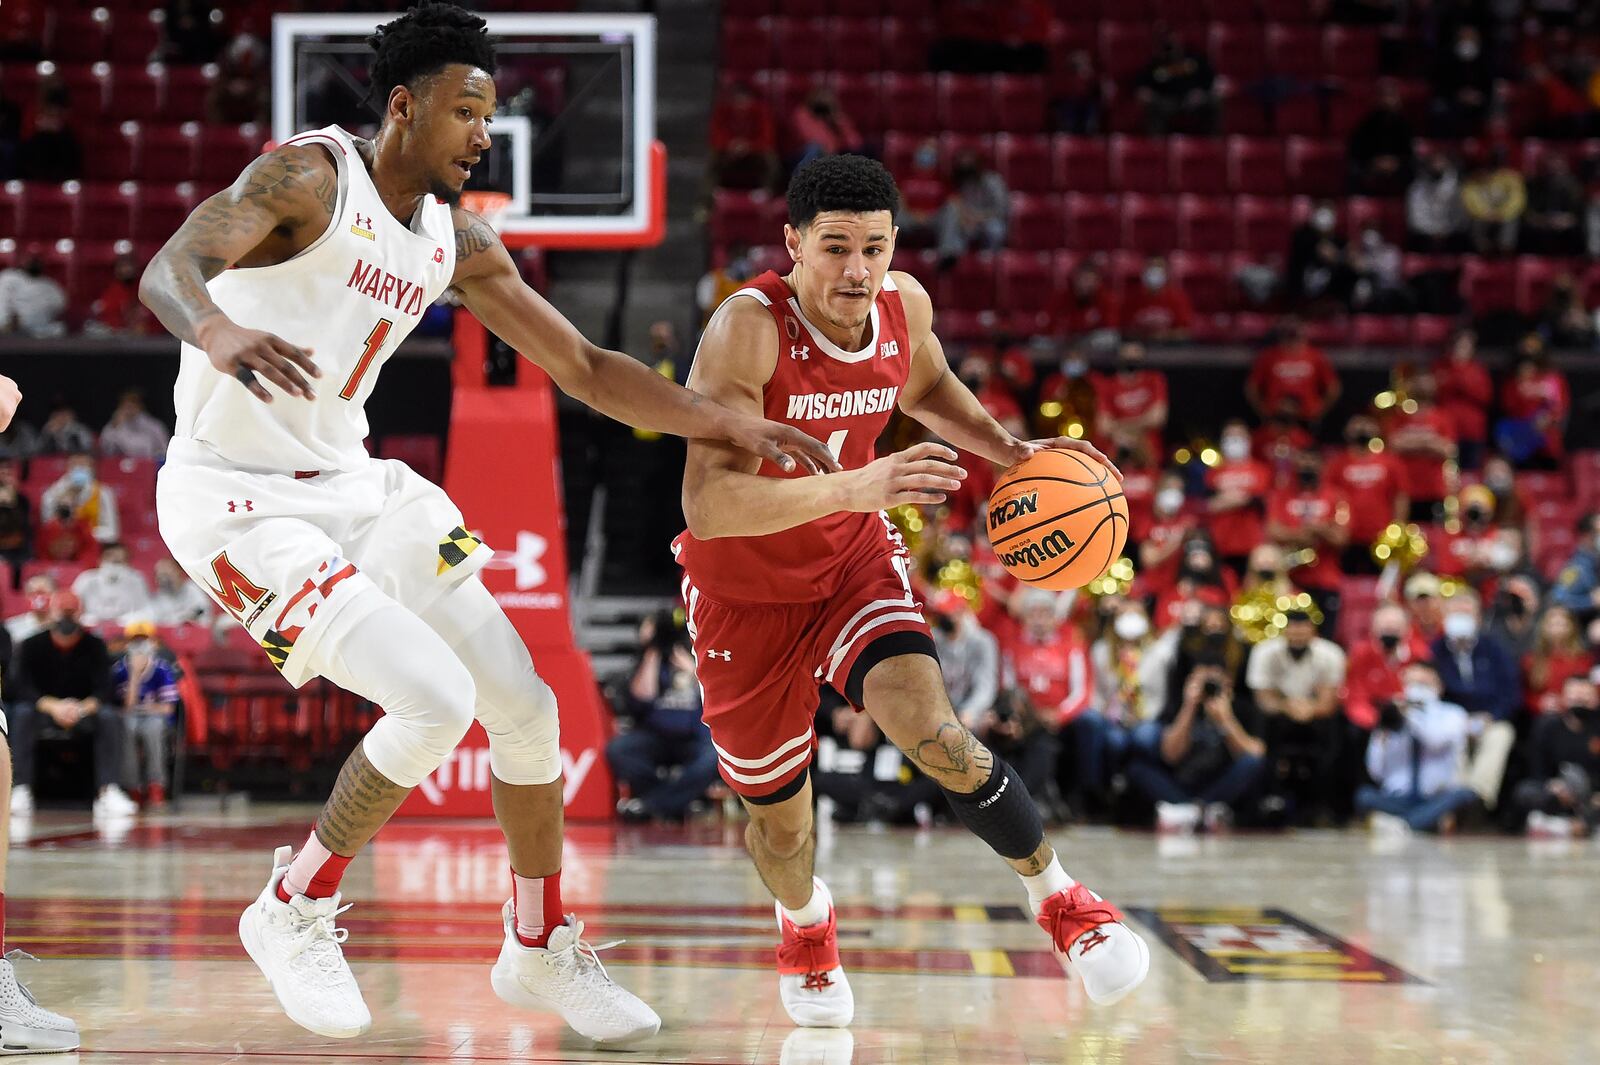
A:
(1091, 306)
(969, 656)
(1371, 481)
(145, 690)
(1379, 286)
(1560, 796)
(1512, 616)
(1069, 397)
(1480, 675)
(1377, 663)
(1199, 577)
(1479, 551)
(1311, 515)
(1414, 754)
(36, 592)
(1296, 679)
(176, 599)
(64, 538)
(1238, 486)
(1558, 655)
(1295, 369)
(1318, 270)
(1494, 197)
(64, 433)
(1130, 678)
(1047, 659)
(31, 301)
(1435, 220)
(1139, 477)
(16, 531)
(1577, 586)
(80, 492)
(977, 216)
(1208, 761)
(113, 590)
(1465, 395)
(1161, 545)
(134, 431)
(1158, 309)
(1536, 402)
(1462, 79)
(1424, 439)
(62, 678)
(1132, 401)
(819, 126)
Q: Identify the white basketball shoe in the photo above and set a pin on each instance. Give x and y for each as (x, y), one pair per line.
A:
(567, 978)
(811, 981)
(25, 1026)
(296, 947)
(1091, 941)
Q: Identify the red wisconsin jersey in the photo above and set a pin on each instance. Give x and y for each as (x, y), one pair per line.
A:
(842, 398)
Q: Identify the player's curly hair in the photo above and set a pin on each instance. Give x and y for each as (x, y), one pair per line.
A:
(425, 40)
(840, 183)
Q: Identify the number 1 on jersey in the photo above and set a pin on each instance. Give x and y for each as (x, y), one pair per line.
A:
(836, 443)
(375, 339)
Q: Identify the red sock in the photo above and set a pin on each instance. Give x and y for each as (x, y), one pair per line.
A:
(314, 873)
(536, 907)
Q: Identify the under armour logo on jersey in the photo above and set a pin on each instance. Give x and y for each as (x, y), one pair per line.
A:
(247, 505)
(800, 351)
(888, 349)
(726, 656)
(363, 226)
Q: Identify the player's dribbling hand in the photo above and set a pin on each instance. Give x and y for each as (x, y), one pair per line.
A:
(242, 353)
(782, 444)
(922, 473)
(10, 399)
(1025, 448)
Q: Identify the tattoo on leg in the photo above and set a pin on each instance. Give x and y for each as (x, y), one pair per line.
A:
(953, 754)
(362, 800)
(1035, 863)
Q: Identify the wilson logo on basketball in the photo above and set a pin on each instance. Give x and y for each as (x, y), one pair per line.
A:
(1037, 554)
(1013, 509)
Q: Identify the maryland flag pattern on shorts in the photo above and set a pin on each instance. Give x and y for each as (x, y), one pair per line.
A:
(455, 547)
(277, 646)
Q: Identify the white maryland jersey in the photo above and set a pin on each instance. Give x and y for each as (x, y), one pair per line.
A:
(351, 297)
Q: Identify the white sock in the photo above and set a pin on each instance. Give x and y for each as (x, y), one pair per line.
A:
(813, 912)
(1046, 883)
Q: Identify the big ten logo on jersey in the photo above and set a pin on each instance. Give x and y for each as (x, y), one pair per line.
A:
(888, 349)
(467, 769)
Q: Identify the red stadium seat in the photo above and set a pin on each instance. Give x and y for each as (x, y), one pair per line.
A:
(801, 44)
(187, 88)
(964, 103)
(1431, 330)
(965, 327)
(1024, 162)
(1535, 278)
(161, 211)
(954, 145)
(863, 93)
(1026, 290)
(1256, 167)
(1206, 279)
(1019, 103)
(1547, 489)
(1125, 47)
(1488, 286)
(1386, 216)
(970, 284)
(136, 91)
(1295, 51)
(1205, 223)
(132, 479)
(1299, 115)
(1348, 106)
(1316, 167)
(1262, 226)
(225, 151)
(1381, 330)
(95, 262)
(1290, 11)
(1091, 222)
(49, 212)
(1586, 478)
(1149, 224)
(906, 41)
(1138, 164)
(171, 154)
(1232, 10)
(908, 103)
(1036, 222)
(1197, 165)
(1177, 13)
(1081, 164)
(855, 44)
(1350, 52)
(1238, 51)
(137, 35)
(88, 91)
(1243, 111)
(11, 194)
(423, 452)
(114, 153)
(807, 8)
(746, 45)
(78, 34)
(106, 211)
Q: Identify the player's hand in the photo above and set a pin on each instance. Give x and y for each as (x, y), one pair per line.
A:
(10, 399)
(242, 353)
(782, 444)
(922, 473)
(1026, 448)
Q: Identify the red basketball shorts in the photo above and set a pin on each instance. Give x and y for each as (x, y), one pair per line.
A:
(761, 668)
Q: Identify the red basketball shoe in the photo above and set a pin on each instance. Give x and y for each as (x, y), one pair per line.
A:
(1091, 941)
(811, 981)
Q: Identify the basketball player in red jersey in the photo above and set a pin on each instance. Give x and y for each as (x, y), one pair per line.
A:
(791, 583)
(356, 569)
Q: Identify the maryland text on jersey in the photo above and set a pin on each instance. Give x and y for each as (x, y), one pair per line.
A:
(402, 295)
(815, 405)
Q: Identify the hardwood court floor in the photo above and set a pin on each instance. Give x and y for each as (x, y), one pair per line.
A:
(1315, 948)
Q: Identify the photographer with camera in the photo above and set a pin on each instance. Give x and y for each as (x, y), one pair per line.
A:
(1296, 679)
(1210, 758)
(1415, 755)
(1559, 796)
(663, 700)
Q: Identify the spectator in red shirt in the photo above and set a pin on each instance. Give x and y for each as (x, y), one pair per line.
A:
(1279, 439)
(1373, 485)
(63, 537)
(1312, 515)
(1139, 476)
(1158, 309)
(1292, 367)
(1373, 676)
(744, 140)
(1465, 394)
(1068, 397)
(1238, 487)
(117, 309)
(1132, 401)
(1558, 655)
(1091, 305)
(1479, 550)
(992, 390)
(1424, 439)
(818, 126)
(1536, 395)
(923, 193)
(1200, 577)
(1161, 544)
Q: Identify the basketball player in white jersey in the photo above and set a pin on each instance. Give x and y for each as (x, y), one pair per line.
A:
(25, 1026)
(288, 290)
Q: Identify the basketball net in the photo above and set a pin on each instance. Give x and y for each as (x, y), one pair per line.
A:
(490, 204)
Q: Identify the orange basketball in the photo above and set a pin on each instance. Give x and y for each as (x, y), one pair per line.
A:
(1057, 519)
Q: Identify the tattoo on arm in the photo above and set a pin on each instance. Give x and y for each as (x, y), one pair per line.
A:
(362, 800)
(953, 755)
(473, 235)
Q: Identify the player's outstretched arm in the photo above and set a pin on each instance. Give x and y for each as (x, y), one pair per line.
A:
(617, 385)
(289, 190)
(722, 493)
(935, 396)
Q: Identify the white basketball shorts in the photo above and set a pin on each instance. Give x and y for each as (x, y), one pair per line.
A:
(286, 553)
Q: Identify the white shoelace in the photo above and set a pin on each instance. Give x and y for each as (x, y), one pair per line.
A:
(318, 935)
(580, 948)
(13, 956)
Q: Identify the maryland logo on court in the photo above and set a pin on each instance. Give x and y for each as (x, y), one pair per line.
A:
(455, 547)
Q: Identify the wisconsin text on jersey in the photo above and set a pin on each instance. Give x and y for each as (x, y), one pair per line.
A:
(814, 405)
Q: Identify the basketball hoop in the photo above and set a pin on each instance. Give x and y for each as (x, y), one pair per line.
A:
(490, 204)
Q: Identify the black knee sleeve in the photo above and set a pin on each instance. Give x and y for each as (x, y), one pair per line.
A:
(1001, 813)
